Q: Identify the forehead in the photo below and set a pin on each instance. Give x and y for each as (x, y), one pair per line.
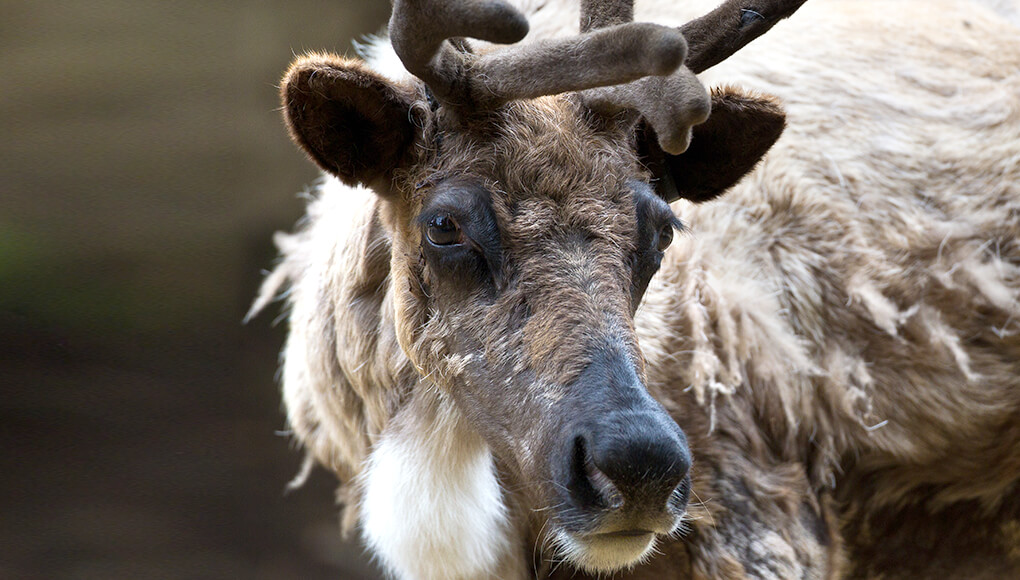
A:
(546, 163)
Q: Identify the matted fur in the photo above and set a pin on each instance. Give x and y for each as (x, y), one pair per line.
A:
(839, 335)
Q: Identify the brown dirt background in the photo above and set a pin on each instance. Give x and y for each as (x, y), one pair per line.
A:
(143, 170)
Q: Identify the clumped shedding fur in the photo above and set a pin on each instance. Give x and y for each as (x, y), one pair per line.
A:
(838, 335)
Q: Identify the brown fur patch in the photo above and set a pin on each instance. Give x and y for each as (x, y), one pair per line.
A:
(351, 122)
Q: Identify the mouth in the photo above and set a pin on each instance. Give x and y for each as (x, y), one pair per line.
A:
(615, 545)
(618, 538)
(627, 533)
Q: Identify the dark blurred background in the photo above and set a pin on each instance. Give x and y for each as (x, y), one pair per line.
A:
(143, 169)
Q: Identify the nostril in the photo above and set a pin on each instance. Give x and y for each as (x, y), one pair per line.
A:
(681, 495)
(647, 465)
(603, 486)
(589, 485)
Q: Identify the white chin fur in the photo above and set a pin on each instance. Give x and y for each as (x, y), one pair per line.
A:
(432, 507)
(600, 555)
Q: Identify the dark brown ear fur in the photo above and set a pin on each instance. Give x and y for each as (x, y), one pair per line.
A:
(351, 121)
(723, 149)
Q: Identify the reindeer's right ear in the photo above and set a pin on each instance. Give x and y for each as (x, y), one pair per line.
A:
(740, 130)
(351, 121)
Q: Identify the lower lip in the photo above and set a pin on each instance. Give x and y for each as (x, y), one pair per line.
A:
(627, 534)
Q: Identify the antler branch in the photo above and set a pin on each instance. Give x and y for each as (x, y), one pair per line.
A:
(618, 64)
(717, 35)
(420, 30)
(609, 56)
(673, 104)
(670, 104)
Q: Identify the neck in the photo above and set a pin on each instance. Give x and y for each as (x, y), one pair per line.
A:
(432, 505)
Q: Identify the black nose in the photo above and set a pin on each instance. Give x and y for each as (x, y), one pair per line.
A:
(631, 460)
(625, 457)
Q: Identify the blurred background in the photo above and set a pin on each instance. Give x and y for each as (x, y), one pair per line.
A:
(143, 169)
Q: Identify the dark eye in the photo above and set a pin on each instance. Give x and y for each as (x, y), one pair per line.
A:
(443, 230)
(665, 237)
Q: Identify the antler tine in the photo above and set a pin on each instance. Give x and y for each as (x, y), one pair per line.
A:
(716, 36)
(419, 30)
(670, 104)
(673, 104)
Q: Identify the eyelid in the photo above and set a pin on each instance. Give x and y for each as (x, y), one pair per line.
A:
(427, 216)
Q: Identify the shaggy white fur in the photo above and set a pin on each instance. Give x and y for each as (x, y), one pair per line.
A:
(432, 507)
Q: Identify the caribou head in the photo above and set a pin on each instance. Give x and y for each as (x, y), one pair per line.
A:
(525, 194)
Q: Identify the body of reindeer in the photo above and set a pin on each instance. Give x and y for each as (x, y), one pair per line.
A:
(481, 348)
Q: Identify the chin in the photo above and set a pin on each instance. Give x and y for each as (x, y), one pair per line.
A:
(601, 553)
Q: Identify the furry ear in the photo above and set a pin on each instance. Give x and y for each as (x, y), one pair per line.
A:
(723, 149)
(351, 121)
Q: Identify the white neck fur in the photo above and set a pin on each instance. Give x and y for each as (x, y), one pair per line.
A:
(432, 507)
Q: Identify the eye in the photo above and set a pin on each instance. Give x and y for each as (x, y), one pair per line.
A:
(665, 237)
(443, 230)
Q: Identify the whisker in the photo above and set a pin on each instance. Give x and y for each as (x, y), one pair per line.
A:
(702, 504)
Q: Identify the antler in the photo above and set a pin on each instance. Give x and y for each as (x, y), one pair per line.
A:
(672, 105)
(424, 33)
(618, 64)
(717, 35)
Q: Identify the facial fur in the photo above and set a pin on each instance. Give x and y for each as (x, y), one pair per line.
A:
(557, 235)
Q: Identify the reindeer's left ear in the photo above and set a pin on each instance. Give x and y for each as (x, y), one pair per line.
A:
(723, 149)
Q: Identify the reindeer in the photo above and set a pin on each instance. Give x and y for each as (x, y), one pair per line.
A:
(499, 324)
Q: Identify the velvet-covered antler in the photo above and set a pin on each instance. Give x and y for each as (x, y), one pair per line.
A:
(717, 35)
(672, 104)
(712, 38)
(424, 33)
